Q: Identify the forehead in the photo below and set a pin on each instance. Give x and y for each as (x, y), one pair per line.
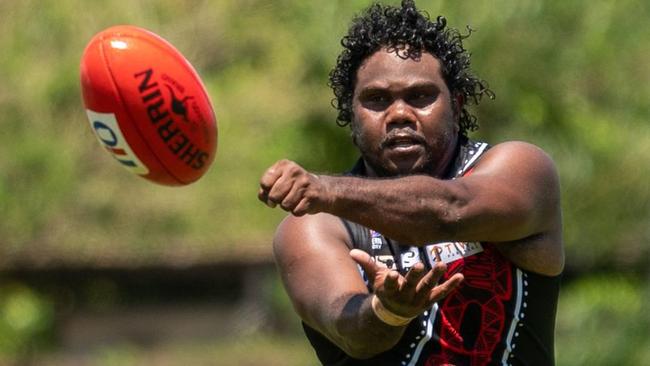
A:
(387, 69)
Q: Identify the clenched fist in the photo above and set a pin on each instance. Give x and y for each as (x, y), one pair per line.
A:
(293, 188)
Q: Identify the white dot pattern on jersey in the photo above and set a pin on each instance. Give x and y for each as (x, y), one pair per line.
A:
(520, 316)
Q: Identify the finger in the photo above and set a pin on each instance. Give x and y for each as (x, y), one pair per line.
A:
(271, 175)
(268, 180)
(391, 283)
(413, 278)
(438, 271)
(365, 261)
(292, 197)
(430, 280)
(442, 290)
(280, 190)
(297, 193)
(426, 284)
(303, 207)
(263, 196)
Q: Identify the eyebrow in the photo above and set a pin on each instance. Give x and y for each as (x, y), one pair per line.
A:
(381, 87)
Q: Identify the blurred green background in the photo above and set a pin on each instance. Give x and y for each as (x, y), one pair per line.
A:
(98, 267)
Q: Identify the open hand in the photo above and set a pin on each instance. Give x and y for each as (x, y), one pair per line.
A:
(409, 295)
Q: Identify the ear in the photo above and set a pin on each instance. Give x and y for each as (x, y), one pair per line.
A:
(354, 133)
(459, 101)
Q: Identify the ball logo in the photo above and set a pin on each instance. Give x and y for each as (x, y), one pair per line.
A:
(165, 114)
(178, 106)
(108, 133)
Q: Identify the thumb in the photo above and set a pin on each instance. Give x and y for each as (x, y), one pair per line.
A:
(365, 261)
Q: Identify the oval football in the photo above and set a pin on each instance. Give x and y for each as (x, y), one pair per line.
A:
(147, 105)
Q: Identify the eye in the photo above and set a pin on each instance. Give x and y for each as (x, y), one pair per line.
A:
(375, 101)
(421, 99)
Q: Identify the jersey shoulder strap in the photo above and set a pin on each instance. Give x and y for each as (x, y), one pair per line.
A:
(468, 155)
(359, 235)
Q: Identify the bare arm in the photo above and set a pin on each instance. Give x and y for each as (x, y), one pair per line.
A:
(327, 291)
(512, 195)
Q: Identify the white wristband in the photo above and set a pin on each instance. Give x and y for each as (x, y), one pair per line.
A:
(386, 315)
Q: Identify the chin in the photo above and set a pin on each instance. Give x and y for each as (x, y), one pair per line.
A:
(390, 164)
(392, 168)
(408, 166)
(411, 170)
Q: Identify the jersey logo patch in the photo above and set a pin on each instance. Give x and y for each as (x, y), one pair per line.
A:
(385, 261)
(410, 257)
(451, 251)
(375, 240)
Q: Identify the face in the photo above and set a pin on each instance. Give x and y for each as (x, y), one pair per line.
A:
(404, 121)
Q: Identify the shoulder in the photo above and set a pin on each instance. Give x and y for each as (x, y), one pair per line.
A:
(524, 168)
(520, 159)
(513, 151)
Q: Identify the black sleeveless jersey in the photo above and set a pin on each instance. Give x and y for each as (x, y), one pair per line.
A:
(499, 315)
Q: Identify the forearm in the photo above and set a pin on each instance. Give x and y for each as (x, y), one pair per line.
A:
(512, 194)
(357, 330)
(414, 210)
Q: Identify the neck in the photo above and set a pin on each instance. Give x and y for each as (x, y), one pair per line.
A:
(448, 159)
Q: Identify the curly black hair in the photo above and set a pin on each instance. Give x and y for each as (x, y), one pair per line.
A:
(408, 32)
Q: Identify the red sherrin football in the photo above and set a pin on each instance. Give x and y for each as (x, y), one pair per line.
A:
(147, 106)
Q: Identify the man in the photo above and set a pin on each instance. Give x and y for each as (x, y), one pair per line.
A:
(435, 249)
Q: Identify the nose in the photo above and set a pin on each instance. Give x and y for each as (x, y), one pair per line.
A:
(400, 115)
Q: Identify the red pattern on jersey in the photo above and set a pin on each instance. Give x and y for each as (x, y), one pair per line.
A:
(487, 286)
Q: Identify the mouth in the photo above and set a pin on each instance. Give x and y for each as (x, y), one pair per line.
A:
(402, 142)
